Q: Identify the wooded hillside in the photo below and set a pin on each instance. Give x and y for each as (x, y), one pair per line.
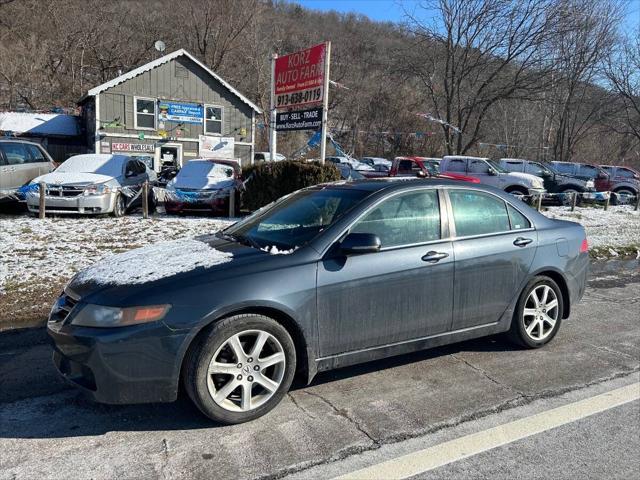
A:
(547, 79)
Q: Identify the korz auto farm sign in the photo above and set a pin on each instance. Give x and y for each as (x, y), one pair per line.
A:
(299, 77)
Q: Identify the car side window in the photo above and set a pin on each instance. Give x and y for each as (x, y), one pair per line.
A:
(404, 219)
(623, 172)
(588, 170)
(535, 169)
(512, 166)
(518, 221)
(566, 168)
(139, 167)
(478, 166)
(457, 166)
(36, 154)
(478, 213)
(15, 153)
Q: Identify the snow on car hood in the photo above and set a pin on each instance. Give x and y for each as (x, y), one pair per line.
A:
(153, 262)
(202, 183)
(72, 178)
(532, 179)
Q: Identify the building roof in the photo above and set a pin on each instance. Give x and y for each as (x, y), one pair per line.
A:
(53, 124)
(162, 60)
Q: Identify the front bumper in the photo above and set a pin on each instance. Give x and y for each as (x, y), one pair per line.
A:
(218, 205)
(135, 364)
(83, 205)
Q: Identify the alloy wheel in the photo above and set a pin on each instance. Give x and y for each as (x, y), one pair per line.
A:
(540, 312)
(246, 370)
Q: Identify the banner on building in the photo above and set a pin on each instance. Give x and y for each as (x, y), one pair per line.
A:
(299, 77)
(132, 147)
(310, 119)
(180, 112)
(216, 147)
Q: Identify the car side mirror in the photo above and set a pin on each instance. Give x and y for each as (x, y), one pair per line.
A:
(602, 175)
(492, 172)
(421, 174)
(357, 243)
(128, 173)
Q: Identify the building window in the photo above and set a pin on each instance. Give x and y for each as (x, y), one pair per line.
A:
(145, 113)
(213, 119)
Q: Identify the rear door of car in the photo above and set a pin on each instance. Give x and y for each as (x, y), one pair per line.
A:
(479, 168)
(39, 159)
(494, 245)
(400, 293)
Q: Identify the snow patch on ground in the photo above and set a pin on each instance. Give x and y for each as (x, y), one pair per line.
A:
(619, 226)
(153, 262)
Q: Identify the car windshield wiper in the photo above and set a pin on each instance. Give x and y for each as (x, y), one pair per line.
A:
(244, 240)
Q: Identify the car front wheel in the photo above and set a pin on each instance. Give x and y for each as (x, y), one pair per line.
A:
(240, 369)
(119, 207)
(538, 313)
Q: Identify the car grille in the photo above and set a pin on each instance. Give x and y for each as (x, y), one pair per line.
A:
(63, 191)
(62, 308)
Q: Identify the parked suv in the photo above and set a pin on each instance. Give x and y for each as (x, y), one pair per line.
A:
(21, 162)
(625, 180)
(491, 173)
(601, 179)
(554, 182)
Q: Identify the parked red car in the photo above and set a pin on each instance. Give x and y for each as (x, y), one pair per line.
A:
(625, 180)
(204, 186)
(423, 167)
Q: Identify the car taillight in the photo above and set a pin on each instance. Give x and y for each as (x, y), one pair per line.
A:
(584, 246)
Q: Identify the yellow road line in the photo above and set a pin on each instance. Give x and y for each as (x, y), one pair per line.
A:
(473, 444)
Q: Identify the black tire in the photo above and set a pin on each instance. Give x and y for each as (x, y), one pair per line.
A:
(517, 191)
(517, 333)
(119, 208)
(196, 366)
(627, 192)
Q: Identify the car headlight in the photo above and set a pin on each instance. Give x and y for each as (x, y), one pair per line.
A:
(104, 317)
(538, 183)
(99, 189)
(590, 184)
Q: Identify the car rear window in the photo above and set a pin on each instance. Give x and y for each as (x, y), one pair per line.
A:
(15, 153)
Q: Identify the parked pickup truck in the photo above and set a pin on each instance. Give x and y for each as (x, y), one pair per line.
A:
(625, 180)
(554, 182)
(600, 178)
(423, 167)
(491, 173)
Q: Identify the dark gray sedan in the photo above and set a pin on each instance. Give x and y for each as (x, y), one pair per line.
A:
(329, 276)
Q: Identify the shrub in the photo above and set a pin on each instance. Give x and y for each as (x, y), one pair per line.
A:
(268, 181)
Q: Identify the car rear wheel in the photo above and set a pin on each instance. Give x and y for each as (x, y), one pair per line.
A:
(622, 196)
(119, 207)
(538, 313)
(240, 369)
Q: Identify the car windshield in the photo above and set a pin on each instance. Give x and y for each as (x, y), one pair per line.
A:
(497, 167)
(109, 165)
(206, 169)
(296, 219)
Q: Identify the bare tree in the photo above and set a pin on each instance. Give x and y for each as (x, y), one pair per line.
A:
(478, 53)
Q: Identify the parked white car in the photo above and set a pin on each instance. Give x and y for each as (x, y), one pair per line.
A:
(92, 184)
(373, 161)
(266, 157)
(354, 163)
(491, 173)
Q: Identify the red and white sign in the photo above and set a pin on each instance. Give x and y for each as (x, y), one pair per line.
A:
(299, 77)
(132, 147)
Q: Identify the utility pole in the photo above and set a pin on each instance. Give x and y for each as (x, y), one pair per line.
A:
(325, 103)
(272, 109)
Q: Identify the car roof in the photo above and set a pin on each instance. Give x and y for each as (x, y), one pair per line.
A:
(17, 140)
(465, 157)
(394, 183)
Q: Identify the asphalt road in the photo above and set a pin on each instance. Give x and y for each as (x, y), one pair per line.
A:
(355, 417)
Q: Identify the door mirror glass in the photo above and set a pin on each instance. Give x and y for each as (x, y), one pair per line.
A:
(492, 172)
(421, 174)
(129, 173)
(356, 243)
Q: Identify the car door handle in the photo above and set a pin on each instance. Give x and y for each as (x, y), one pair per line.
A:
(522, 242)
(433, 257)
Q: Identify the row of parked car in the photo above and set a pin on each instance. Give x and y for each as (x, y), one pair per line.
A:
(111, 184)
(514, 175)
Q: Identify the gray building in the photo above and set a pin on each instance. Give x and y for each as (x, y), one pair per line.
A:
(170, 110)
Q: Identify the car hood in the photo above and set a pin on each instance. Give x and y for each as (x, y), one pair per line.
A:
(525, 176)
(458, 176)
(202, 183)
(72, 178)
(164, 266)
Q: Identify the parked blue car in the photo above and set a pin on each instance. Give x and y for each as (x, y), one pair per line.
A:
(326, 277)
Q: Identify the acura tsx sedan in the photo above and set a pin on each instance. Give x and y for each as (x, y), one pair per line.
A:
(326, 277)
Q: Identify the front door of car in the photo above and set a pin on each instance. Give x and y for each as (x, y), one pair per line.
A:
(480, 169)
(494, 246)
(402, 292)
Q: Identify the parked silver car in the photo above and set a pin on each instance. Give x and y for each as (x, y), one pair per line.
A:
(20, 162)
(92, 184)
